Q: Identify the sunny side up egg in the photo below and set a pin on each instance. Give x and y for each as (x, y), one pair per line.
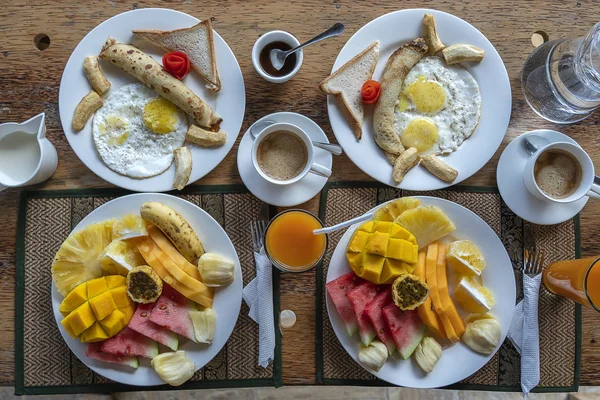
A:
(135, 131)
(439, 107)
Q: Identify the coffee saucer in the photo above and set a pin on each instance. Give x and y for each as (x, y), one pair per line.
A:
(295, 193)
(516, 196)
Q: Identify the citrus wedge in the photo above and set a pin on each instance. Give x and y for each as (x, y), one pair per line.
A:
(465, 257)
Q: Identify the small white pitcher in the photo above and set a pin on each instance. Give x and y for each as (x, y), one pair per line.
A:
(26, 156)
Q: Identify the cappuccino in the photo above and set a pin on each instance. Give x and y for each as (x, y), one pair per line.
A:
(557, 173)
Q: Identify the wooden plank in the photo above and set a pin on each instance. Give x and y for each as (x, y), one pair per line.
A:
(30, 83)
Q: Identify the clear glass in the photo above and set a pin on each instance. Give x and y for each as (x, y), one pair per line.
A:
(577, 280)
(561, 78)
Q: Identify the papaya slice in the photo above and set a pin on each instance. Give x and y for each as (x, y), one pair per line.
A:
(448, 307)
(145, 246)
(166, 246)
(431, 278)
(426, 313)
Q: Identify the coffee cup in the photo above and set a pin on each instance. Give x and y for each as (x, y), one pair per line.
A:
(560, 172)
(283, 154)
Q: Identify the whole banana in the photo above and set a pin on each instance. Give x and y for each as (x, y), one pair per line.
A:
(175, 227)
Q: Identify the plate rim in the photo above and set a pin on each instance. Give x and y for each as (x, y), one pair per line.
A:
(328, 304)
(123, 181)
(346, 135)
(82, 225)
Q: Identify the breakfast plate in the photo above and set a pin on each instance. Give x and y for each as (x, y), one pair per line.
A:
(289, 195)
(229, 103)
(509, 176)
(227, 299)
(457, 361)
(393, 30)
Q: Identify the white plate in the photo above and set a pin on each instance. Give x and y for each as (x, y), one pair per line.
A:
(509, 176)
(229, 102)
(296, 193)
(393, 30)
(227, 300)
(457, 361)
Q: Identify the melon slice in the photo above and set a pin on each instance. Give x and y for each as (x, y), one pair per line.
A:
(130, 343)
(336, 290)
(166, 246)
(436, 300)
(360, 297)
(171, 311)
(448, 307)
(406, 328)
(375, 316)
(426, 312)
(140, 322)
(94, 351)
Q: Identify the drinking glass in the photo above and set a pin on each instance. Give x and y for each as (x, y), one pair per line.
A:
(577, 280)
(561, 78)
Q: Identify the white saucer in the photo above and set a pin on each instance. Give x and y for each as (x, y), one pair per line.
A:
(296, 193)
(516, 196)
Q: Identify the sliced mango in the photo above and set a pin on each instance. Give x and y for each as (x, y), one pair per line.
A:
(114, 323)
(431, 279)
(448, 307)
(79, 320)
(165, 245)
(74, 299)
(426, 313)
(94, 333)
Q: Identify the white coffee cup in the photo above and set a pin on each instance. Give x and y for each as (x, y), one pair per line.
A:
(26, 156)
(586, 187)
(310, 166)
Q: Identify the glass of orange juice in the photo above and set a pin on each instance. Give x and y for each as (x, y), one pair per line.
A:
(290, 243)
(578, 280)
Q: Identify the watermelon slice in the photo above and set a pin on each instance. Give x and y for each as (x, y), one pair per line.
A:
(141, 323)
(93, 351)
(406, 327)
(336, 290)
(360, 297)
(375, 315)
(171, 311)
(130, 343)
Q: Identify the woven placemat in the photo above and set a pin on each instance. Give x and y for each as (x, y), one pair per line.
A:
(44, 363)
(559, 319)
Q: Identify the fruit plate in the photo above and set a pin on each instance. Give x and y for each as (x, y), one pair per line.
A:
(227, 300)
(457, 361)
(229, 102)
(490, 74)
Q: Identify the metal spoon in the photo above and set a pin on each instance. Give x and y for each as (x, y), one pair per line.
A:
(278, 56)
(532, 143)
(335, 149)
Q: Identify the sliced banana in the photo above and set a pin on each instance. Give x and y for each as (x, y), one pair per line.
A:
(458, 53)
(183, 167)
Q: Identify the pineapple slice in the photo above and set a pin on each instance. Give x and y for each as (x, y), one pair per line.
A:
(466, 258)
(119, 257)
(393, 209)
(426, 223)
(76, 260)
(129, 226)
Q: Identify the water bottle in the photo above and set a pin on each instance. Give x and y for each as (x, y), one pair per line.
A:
(561, 78)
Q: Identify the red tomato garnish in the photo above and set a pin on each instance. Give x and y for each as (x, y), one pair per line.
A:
(177, 64)
(370, 92)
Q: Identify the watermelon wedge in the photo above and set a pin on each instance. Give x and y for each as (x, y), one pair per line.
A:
(375, 315)
(94, 351)
(140, 322)
(360, 297)
(130, 343)
(171, 311)
(406, 328)
(336, 290)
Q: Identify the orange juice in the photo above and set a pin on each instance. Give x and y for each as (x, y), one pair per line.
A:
(578, 280)
(290, 243)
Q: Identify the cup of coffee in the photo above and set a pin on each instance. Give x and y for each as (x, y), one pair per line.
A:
(560, 172)
(283, 154)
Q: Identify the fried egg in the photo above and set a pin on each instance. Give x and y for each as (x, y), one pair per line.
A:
(439, 107)
(135, 131)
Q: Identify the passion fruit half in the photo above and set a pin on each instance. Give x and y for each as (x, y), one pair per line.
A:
(409, 292)
(143, 285)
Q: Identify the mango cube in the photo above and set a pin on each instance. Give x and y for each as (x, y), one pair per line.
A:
(377, 243)
(391, 270)
(372, 265)
(382, 226)
(94, 333)
(358, 242)
(403, 250)
(80, 319)
(103, 305)
(74, 299)
(114, 323)
(95, 287)
(121, 298)
(114, 281)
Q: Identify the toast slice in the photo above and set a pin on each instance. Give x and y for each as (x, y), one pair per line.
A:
(196, 42)
(346, 84)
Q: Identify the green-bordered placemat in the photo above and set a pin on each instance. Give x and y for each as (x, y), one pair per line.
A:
(44, 363)
(559, 319)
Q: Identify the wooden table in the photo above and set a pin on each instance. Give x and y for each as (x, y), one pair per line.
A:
(29, 83)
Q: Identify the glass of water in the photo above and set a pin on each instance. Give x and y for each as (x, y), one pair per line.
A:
(561, 78)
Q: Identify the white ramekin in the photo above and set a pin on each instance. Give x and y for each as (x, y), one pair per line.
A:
(275, 36)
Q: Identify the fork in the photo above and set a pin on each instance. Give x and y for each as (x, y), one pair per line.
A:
(258, 228)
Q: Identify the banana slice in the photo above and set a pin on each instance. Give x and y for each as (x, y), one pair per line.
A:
(183, 167)
(458, 53)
